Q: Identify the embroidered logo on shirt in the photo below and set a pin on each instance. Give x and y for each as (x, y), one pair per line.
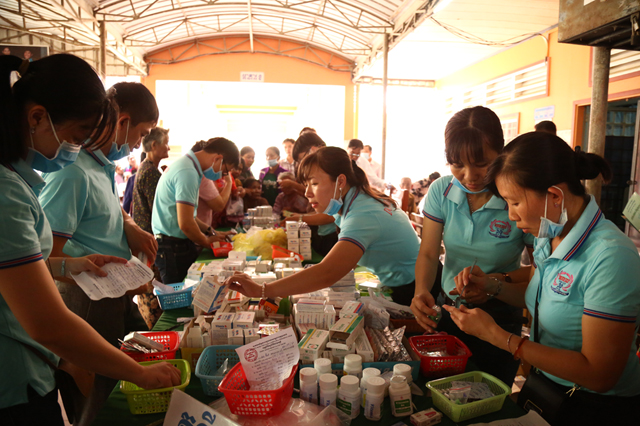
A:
(500, 229)
(562, 283)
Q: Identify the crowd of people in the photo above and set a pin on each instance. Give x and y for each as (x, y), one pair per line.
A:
(57, 119)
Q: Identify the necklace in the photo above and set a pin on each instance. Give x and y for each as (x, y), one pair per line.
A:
(471, 209)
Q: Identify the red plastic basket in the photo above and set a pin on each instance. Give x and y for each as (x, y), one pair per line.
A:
(433, 367)
(170, 340)
(245, 402)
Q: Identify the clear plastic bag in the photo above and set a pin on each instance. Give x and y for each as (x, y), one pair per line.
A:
(258, 242)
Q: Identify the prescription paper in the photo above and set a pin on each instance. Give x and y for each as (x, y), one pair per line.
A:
(267, 362)
(120, 279)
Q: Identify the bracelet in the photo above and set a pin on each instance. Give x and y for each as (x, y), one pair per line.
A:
(522, 340)
(509, 341)
(264, 286)
(62, 271)
(498, 290)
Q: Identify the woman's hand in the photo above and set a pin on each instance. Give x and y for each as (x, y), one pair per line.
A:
(242, 283)
(140, 241)
(157, 376)
(475, 322)
(471, 285)
(91, 263)
(421, 308)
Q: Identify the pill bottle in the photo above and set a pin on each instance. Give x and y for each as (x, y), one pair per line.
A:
(322, 366)
(328, 389)
(403, 370)
(309, 385)
(375, 397)
(353, 366)
(367, 372)
(349, 396)
(400, 397)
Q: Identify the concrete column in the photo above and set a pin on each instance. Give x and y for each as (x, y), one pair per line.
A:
(103, 51)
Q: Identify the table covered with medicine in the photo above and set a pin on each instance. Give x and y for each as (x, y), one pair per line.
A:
(343, 355)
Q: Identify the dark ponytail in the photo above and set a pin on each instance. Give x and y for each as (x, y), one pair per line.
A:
(538, 160)
(335, 162)
(65, 85)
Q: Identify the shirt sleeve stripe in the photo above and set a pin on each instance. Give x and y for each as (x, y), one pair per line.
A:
(185, 202)
(611, 317)
(433, 218)
(20, 261)
(351, 240)
(62, 235)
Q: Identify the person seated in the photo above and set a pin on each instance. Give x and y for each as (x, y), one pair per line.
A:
(253, 195)
(290, 201)
(405, 199)
(419, 188)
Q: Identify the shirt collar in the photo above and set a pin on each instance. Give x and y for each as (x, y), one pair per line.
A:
(458, 196)
(30, 176)
(351, 196)
(579, 233)
(99, 157)
(196, 163)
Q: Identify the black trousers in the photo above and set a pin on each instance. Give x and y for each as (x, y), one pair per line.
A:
(175, 256)
(40, 410)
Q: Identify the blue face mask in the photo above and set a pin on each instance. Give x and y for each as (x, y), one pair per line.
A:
(272, 163)
(64, 156)
(116, 153)
(457, 183)
(211, 175)
(335, 204)
(549, 229)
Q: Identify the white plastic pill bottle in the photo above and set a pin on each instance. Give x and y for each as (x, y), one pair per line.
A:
(309, 385)
(353, 366)
(400, 397)
(328, 389)
(366, 373)
(322, 366)
(375, 397)
(349, 396)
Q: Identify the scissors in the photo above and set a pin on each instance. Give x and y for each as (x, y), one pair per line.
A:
(459, 298)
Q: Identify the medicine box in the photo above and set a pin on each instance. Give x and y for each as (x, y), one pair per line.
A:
(305, 232)
(426, 418)
(352, 307)
(312, 345)
(292, 235)
(305, 242)
(210, 294)
(337, 355)
(250, 335)
(293, 244)
(223, 321)
(235, 336)
(292, 226)
(244, 320)
(263, 266)
(363, 347)
(311, 305)
(195, 271)
(144, 341)
(344, 332)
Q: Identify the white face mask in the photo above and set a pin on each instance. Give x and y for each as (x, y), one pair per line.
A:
(366, 155)
(549, 229)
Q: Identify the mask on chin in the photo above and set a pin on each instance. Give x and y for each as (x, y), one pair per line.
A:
(548, 228)
(335, 204)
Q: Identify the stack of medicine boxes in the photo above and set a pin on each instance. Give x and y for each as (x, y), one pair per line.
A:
(299, 238)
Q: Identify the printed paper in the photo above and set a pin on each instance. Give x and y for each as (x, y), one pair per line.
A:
(120, 279)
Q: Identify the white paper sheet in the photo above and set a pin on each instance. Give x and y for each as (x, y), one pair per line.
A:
(120, 279)
(530, 419)
(186, 410)
(270, 359)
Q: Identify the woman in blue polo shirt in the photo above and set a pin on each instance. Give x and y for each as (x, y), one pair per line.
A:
(48, 109)
(373, 232)
(475, 228)
(584, 293)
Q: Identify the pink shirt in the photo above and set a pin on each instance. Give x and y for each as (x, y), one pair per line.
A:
(208, 191)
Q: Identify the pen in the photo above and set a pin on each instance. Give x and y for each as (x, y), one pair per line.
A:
(465, 287)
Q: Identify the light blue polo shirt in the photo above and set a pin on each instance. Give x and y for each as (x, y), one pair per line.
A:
(594, 271)
(390, 245)
(487, 235)
(178, 185)
(82, 205)
(25, 238)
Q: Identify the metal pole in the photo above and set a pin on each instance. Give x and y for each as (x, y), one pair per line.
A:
(385, 64)
(598, 118)
(103, 50)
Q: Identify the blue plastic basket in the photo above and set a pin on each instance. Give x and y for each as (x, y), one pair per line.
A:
(180, 299)
(211, 359)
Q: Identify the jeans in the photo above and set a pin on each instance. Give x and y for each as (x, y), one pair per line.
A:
(39, 410)
(175, 257)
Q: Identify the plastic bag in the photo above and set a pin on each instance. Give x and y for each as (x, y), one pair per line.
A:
(258, 242)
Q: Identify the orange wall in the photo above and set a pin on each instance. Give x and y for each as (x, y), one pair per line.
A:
(568, 79)
(276, 69)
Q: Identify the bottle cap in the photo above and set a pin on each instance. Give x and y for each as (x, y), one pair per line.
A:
(353, 361)
(349, 383)
(375, 385)
(403, 370)
(370, 372)
(328, 381)
(308, 374)
(397, 381)
(323, 365)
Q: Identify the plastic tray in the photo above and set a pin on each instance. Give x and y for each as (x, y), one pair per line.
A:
(180, 299)
(170, 340)
(245, 402)
(459, 413)
(210, 360)
(433, 367)
(142, 401)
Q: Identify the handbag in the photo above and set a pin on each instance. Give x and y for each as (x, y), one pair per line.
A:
(541, 394)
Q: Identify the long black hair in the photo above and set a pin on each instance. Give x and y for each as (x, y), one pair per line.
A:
(539, 160)
(65, 85)
(469, 131)
(335, 162)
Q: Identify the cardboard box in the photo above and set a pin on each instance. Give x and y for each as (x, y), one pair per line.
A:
(426, 418)
(250, 335)
(292, 226)
(344, 332)
(292, 235)
(293, 244)
(311, 305)
(210, 294)
(305, 241)
(235, 336)
(352, 307)
(244, 320)
(305, 232)
(337, 355)
(219, 326)
(263, 266)
(363, 347)
(195, 271)
(312, 345)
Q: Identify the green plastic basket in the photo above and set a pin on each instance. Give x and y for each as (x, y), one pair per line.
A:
(459, 413)
(142, 401)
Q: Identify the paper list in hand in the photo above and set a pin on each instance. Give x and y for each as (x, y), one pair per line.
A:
(120, 279)
(267, 362)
